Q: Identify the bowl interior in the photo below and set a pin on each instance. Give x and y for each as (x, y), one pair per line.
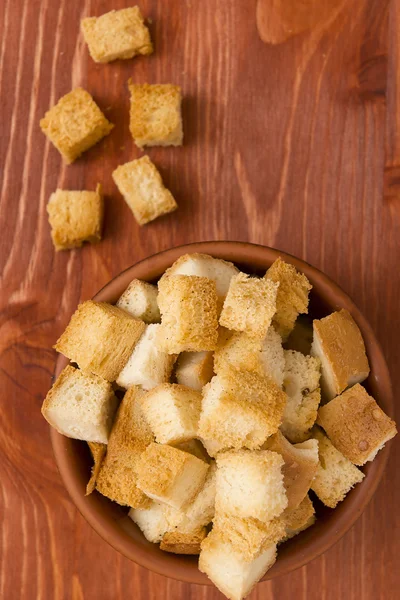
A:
(111, 521)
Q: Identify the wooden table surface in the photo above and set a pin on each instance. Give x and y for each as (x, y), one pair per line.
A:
(291, 142)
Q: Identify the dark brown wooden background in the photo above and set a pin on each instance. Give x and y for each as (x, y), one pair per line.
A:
(294, 145)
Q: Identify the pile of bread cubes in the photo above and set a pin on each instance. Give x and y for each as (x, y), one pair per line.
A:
(76, 123)
(221, 432)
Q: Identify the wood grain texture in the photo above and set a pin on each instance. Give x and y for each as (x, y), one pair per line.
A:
(294, 145)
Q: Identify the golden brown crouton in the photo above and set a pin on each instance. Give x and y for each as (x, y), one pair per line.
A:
(336, 475)
(249, 305)
(188, 308)
(169, 475)
(238, 350)
(80, 406)
(100, 338)
(155, 115)
(129, 437)
(356, 425)
(239, 409)
(298, 519)
(116, 34)
(75, 217)
(292, 297)
(339, 345)
(195, 369)
(143, 190)
(140, 300)
(183, 543)
(98, 452)
(156, 519)
(75, 124)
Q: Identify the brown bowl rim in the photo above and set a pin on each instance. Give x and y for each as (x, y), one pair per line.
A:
(346, 514)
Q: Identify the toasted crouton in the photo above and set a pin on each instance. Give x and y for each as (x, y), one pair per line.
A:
(298, 519)
(272, 356)
(155, 114)
(188, 308)
(75, 217)
(336, 475)
(98, 452)
(100, 338)
(301, 379)
(301, 464)
(292, 298)
(201, 511)
(117, 34)
(233, 575)
(141, 186)
(203, 265)
(75, 124)
(238, 350)
(156, 519)
(194, 447)
(356, 425)
(250, 484)
(249, 305)
(239, 409)
(140, 300)
(80, 406)
(169, 475)
(183, 542)
(339, 345)
(129, 437)
(148, 365)
(172, 412)
(194, 369)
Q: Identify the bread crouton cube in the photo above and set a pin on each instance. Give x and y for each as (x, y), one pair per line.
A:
(234, 576)
(100, 338)
(80, 406)
(195, 369)
(188, 307)
(249, 305)
(75, 217)
(239, 409)
(250, 484)
(116, 34)
(292, 297)
(301, 464)
(148, 365)
(98, 452)
(204, 265)
(129, 437)
(336, 475)
(238, 350)
(194, 447)
(201, 511)
(183, 543)
(272, 356)
(155, 114)
(301, 379)
(143, 190)
(169, 475)
(339, 345)
(140, 300)
(356, 425)
(156, 519)
(173, 412)
(75, 124)
(298, 519)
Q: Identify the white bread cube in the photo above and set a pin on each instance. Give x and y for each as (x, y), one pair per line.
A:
(173, 412)
(339, 345)
(298, 519)
(272, 356)
(292, 297)
(188, 307)
(201, 511)
(140, 300)
(156, 519)
(148, 365)
(186, 542)
(336, 475)
(194, 369)
(203, 265)
(239, 409)
(249, 305)
(80, 406)
(238, 350)
(169, 475)
(250, 484)
(301, 464)
(234, 576)
(129, 437)
(98, 452)
(356, 425)
(301, 380)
